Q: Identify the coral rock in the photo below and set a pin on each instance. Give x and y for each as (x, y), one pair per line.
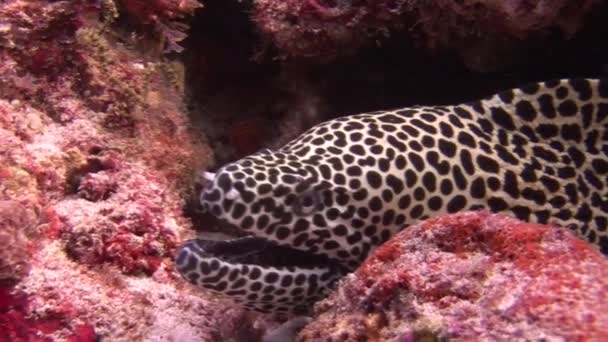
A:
(17, 223)
(95, 155)
(16, 325)
(471, 276)
(321, 30)
(164, 15)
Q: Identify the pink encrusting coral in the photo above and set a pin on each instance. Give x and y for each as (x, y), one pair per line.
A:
(119, 307)
(471, 276)
(321, 30)
(123, 216)
(95, 159)
(16, 234)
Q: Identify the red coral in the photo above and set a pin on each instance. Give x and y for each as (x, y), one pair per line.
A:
(136, 242)
(51, 223)
(139, 242)
(16, 325)
(48, 57)
(82, 333)
(11, 300)
(474, 276)
(151, 11)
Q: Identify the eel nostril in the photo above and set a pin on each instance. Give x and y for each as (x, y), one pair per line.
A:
(209, 176)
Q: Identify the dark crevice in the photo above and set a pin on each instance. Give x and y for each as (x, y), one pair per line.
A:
(238, 86)
(75, 176)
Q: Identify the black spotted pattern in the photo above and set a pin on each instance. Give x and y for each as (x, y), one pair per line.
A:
(538, 153)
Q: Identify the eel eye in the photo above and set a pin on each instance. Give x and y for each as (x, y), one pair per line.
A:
(307, 203)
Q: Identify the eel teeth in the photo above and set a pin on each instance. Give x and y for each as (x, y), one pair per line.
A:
(232, 194)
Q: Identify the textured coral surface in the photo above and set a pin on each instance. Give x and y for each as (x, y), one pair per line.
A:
(482, 31)
(162, 15)
(471, 276)
(97, 153)
(95, 159)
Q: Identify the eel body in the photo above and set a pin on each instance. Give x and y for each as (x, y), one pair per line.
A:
(326, 199)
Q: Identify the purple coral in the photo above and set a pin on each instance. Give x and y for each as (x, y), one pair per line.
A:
(88, 196)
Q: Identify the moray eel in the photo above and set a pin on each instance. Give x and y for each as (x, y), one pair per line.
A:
(315, 208)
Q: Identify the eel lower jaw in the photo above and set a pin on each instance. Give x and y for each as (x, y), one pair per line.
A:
(257, 274)
(232, 244)
(253, 250)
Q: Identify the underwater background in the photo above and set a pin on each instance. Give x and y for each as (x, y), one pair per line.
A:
(111, 109)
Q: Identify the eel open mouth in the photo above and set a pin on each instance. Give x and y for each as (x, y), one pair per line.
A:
(231, 244)
(256, 251)
(254, 271)
(257, 274)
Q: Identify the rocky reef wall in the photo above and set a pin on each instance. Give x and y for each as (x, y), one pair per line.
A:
(108, 109)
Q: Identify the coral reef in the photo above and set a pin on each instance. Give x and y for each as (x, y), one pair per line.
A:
(16, 325)
(96, 158)
(125, 308)
(481, 31)
(97, 151)
(123, 216)
(225, 60)
(16, 233)
(471, 276)
(163, 15)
